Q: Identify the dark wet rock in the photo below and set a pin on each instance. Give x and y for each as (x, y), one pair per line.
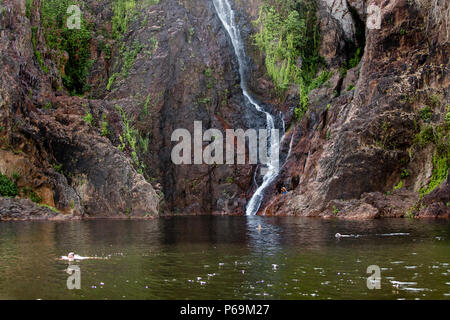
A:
(437, 203)
(334, 30)
(360, 6)
(24, 209)
(192, 75)
(350, 79)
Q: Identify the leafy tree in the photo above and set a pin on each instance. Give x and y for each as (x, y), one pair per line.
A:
(288, 35)
(75, 42)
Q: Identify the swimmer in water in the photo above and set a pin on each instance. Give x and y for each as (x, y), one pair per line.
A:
(72, 257)
(259, 227)
(338, 235)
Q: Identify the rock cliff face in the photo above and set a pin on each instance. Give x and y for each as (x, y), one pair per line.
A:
(48, 146)
(364, 149)
(172, 66)
(190, 75)
(361, 154)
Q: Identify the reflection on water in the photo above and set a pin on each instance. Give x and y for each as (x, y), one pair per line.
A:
(226, 258)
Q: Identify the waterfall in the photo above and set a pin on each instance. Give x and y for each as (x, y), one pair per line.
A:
(227, 16)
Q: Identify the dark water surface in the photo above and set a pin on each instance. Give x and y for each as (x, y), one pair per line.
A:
(226, 258)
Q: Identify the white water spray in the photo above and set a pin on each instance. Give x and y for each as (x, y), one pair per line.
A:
(226, 15)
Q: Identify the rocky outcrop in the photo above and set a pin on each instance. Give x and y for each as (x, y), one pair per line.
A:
(24, 209)
(363, 150)
(332, 46)
(50, 146)
(437, 203)
(339, 11)
(350, 152)
(174, 65)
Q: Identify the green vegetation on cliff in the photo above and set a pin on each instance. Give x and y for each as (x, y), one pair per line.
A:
(49, 207)
(28, 4)
(7, 187)
(132, 140)
(441, 159)
(447, 118)
(124, 11)
(71, 47)
(289, 37)
(438, 136)
(37, 53)
(129, 56)
(440, 172)
(73, 41)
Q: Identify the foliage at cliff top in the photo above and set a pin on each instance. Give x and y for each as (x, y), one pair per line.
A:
(74, 42)
(124, 11)
(77, 42)
(289, 37)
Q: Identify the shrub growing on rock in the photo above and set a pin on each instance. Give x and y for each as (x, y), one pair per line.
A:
(7, 187)
(62, 39)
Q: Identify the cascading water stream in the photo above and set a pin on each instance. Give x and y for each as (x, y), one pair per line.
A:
(226, 15)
